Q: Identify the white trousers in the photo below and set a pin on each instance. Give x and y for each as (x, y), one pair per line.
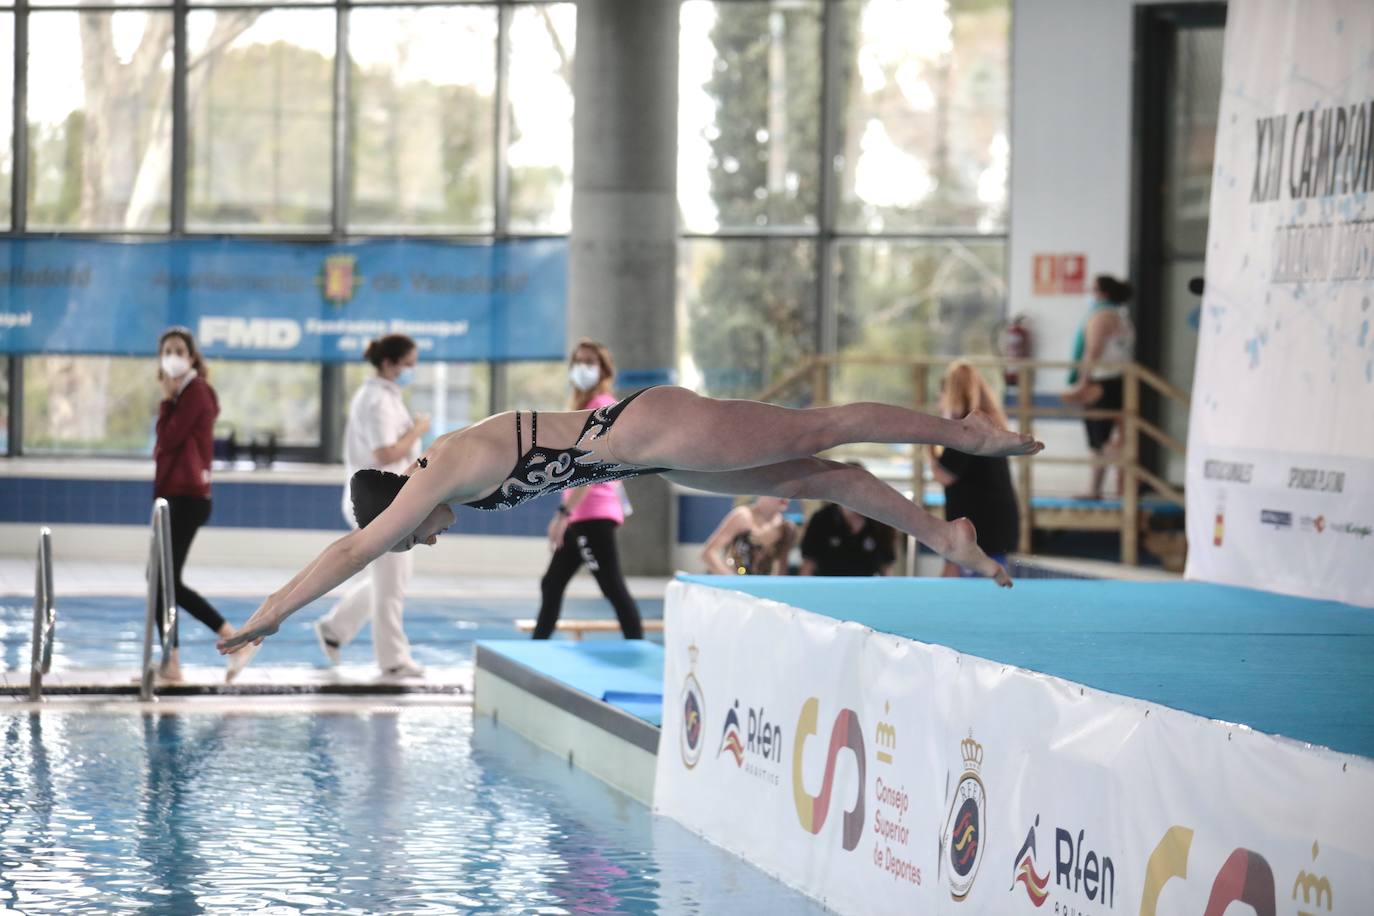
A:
(379, 593)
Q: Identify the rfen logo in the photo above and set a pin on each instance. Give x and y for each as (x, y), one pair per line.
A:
(249, 333)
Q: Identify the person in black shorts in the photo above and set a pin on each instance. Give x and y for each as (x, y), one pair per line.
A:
(1105, 341)
(722, 446)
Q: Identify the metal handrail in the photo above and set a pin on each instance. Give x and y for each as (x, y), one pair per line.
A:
(159, 571)
(814, 374)
(44, 616)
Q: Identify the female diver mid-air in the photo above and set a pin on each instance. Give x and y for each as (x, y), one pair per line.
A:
(725, 446)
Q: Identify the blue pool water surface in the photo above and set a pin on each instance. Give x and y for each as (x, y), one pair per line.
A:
(412, 810)
(108, 632)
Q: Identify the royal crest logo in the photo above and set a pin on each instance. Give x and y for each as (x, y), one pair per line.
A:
(693, 709)
(961, 847)
(338, 278)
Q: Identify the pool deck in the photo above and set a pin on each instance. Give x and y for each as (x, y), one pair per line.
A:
(265, 680)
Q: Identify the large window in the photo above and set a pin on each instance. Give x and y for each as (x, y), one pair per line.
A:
(454, 395)
(747, 312)
(314, 120)
(541, 114)
(6, 124)
(421, 138)
(99, 120)
(268, 402)
(842, 178)
(90, 404)
(923, 98)
(106, 405)
(748, 111)
(902, 298)
(260, 93)
(895, 248)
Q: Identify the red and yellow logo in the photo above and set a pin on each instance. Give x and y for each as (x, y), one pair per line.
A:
(339, 278)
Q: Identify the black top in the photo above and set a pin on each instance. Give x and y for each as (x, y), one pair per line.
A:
(539, 470)
(837, 550)
(982, 494)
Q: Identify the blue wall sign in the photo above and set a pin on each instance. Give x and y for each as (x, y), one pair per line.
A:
(285, 300)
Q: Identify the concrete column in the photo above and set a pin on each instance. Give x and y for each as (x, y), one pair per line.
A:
(623, 254)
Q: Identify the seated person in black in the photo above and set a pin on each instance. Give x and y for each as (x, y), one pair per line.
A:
(976, 488)
(841, 542)
(721, 446)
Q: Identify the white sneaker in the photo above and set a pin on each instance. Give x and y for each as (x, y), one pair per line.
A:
(329, 647)
(238, 661)
(405, 669)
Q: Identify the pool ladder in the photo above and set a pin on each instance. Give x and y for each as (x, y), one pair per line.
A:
(159, 573)
(44, 616)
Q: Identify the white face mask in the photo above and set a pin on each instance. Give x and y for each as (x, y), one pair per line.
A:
(175, 365)
(405, 376)
(584, 376)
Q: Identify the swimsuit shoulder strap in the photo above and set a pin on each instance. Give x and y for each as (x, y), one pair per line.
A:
(534, 428)
(518, 453)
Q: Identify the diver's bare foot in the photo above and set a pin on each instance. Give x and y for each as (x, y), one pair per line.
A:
(985, 437)
(964, 550)
(170, 675)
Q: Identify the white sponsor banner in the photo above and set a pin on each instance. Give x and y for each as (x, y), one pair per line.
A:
(879, 774)
(1282, 419)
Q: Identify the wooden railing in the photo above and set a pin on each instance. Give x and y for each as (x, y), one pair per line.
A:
(813, 378)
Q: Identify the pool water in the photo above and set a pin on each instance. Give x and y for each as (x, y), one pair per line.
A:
(388, 810)
(108, 632)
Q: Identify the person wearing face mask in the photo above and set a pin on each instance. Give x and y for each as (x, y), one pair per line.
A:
(1105, 336)
(182, 456)
(583, 529)
(382, 434)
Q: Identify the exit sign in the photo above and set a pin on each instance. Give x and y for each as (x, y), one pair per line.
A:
(1060, 274)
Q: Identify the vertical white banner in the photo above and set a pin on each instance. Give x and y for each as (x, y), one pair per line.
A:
(1281, 434)
(882, 775)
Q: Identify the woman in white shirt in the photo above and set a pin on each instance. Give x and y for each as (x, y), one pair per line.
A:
(382, 434)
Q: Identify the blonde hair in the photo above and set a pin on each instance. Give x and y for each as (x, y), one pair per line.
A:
(580, 399)
(965, 390)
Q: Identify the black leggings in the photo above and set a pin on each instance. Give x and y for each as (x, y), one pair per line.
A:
(593, 542)
(188, 514)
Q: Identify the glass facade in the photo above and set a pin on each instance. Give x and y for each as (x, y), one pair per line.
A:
(842, 180)
(842, 174)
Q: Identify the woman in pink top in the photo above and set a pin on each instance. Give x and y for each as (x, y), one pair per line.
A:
(583, 529)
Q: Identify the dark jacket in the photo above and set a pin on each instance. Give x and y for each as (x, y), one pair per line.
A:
(186, 442)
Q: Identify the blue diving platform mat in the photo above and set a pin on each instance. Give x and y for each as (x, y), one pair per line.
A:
(625, 674)
(1295, 667)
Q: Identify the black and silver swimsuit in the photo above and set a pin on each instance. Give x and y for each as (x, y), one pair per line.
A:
(547, 470)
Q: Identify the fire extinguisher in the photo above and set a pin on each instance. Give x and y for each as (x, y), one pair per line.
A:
(1014, 342)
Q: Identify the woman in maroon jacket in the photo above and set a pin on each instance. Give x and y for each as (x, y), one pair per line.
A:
(185, 446)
